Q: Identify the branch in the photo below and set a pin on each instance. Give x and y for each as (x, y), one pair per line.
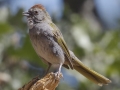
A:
(49, 82)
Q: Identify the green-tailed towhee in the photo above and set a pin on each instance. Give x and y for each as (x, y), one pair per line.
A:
(49, 44)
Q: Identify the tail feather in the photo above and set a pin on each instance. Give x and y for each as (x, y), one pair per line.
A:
(92, 75)
(89, 73)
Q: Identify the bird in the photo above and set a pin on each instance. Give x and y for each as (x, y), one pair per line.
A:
(49, 44)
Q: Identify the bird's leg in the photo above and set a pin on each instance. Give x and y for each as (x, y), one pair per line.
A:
(48, 68)
(59, 70)
(57, 74)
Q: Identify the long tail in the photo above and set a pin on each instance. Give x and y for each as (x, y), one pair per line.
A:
(87, 72)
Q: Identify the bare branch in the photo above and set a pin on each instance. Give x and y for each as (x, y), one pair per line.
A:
(49, 82)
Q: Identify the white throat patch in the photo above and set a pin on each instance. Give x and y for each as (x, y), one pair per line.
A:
(30, 23)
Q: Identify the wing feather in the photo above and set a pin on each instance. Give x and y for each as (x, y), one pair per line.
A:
(59, 38)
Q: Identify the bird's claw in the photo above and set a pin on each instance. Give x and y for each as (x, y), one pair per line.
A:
(58, 75)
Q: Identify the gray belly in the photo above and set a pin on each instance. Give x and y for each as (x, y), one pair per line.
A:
(47, 48)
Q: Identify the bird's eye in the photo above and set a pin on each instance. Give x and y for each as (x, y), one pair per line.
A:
(36, 12)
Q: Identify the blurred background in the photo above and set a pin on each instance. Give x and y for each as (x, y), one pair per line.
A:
(91, 29)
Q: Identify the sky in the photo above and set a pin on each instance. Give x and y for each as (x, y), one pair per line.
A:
(109, 12)
(52, 6)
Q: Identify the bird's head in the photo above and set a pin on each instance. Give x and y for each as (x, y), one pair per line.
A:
(37, 13)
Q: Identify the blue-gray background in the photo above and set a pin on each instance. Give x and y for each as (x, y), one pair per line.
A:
(91, 29)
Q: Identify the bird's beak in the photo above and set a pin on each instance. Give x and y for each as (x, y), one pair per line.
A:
(26, 14)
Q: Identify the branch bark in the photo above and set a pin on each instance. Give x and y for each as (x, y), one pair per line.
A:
(48, 82)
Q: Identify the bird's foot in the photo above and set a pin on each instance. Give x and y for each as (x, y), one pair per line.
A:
(58, 75)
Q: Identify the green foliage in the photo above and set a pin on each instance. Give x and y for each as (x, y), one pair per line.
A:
(5, 28)
(105, 51)
(26, 52)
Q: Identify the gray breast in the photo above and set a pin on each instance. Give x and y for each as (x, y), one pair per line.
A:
(45, 45)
